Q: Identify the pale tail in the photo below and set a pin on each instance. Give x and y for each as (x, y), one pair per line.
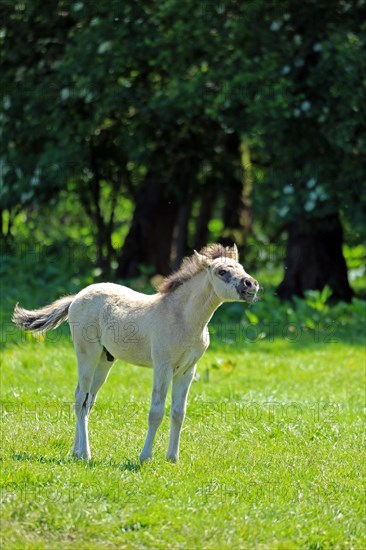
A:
(45, 318)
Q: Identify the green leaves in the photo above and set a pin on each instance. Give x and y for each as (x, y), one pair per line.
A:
(166, 86)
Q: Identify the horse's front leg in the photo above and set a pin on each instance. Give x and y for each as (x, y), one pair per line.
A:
(162, 378)
(180, 390)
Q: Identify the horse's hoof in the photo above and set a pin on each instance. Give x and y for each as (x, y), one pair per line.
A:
(145, 458)
(87, 458)
(81, 456)
(174, 458)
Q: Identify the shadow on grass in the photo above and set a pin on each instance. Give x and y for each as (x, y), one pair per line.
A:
(128, 465)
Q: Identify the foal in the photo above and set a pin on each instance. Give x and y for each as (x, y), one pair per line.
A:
(167, 331)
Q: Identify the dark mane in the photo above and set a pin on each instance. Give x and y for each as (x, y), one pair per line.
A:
(191, 266)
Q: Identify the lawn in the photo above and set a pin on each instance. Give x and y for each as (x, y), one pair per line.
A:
(271, 451)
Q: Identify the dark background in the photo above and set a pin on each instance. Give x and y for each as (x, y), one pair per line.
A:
(133, 132)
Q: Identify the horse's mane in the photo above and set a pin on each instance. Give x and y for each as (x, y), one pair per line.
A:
(191, 265)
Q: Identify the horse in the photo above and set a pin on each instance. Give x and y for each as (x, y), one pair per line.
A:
(167, 331)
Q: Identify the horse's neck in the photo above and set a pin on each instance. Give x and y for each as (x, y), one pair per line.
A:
(199, 301)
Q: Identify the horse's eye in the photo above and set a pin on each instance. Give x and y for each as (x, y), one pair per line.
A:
(222, 272)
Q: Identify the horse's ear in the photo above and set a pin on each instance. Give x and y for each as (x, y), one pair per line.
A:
(203, 260)
(232, 252)
(235, 252)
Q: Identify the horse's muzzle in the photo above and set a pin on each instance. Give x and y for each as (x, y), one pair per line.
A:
(247, 289)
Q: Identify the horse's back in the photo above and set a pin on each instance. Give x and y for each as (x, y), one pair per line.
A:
(111, 291)
(118, 317)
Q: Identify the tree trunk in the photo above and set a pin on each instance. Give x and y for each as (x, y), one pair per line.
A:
(208, 199)
(90, 199)
(237, 214)
(314, 258)
(181, 231)
(149, 240)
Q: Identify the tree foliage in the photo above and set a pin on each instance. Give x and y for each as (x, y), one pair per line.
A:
(111, 95)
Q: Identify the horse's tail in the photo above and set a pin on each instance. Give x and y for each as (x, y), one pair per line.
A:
(45, 318)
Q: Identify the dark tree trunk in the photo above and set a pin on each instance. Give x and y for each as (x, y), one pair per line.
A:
(237, 214)
(314, 258)
(90, 199)
(181, 231)
(149, 240)
(208, 199)
(185, 176)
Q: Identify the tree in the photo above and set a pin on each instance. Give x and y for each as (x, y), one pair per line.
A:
(308, 119)
(160, 102)
(108, 106)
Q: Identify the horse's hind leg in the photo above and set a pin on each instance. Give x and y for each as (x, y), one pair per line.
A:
(88, 359)
(100, 375)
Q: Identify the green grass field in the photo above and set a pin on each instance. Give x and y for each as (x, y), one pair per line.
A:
(271, 451)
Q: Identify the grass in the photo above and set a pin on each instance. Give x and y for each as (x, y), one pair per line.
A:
(271, 452)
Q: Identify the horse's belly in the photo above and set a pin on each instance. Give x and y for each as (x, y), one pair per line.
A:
(131, 352)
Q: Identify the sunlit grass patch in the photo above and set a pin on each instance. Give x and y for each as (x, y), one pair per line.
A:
(271, 452)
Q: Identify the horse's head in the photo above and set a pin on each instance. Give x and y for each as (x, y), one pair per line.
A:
(228, 277)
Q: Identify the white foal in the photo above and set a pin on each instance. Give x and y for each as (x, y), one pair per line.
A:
(167, 331)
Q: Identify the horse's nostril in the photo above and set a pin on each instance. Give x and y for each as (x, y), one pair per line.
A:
(248, 283)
